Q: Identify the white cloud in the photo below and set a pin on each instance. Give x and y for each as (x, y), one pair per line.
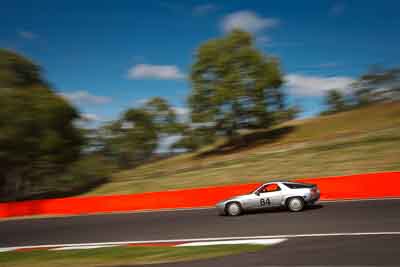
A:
(204, 9)
(84, 97)
(180, 111)
(27, 35)
(302, 85)
(90, 117)
(89, 121)
(248, 21)
(159, 72)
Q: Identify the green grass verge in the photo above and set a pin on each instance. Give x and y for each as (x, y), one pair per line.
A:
(119, 256)
(359, 141)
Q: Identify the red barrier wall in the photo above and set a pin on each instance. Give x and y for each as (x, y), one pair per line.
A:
(373, 185)
(378, 185)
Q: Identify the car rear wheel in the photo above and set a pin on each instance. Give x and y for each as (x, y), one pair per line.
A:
(295, 204)
(233, 209)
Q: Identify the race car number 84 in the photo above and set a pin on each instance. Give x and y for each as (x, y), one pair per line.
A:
(265, 202)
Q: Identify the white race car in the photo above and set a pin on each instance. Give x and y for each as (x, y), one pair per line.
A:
(291, 195)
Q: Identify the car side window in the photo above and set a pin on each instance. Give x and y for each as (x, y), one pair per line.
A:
(270, 188)
(297, 185)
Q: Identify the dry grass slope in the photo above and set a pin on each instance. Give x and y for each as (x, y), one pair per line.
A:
(359, 141)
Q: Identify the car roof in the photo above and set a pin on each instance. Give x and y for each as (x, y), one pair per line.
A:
(276, 182)
(283, 182)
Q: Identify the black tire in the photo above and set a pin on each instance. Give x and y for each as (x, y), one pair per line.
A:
(233, 209)
(295, 204)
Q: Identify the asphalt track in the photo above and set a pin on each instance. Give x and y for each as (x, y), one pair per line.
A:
(320, 251)
(339, 217)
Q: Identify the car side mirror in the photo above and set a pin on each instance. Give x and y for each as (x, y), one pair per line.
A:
(257, 193)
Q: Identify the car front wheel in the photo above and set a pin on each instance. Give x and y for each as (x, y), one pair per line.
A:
(295, 204)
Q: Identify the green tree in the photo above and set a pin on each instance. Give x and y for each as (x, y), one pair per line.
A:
(290, 113)
(163, 115)
(132, 139)
(38, 137)
(335, 101)
(378, 84)
(17, 71)
(194, 138)
(234, 84)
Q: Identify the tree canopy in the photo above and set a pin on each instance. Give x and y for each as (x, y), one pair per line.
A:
(17, 71)
(163, 115)
(234, 84)
(38, 136)
(378, 84)
(335, 101)
(132, 139)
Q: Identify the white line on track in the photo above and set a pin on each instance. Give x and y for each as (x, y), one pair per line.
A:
(201, 240)
(6, 249)
(267, 242)
(82, 247)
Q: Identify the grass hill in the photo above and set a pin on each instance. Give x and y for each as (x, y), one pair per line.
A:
(358, 141)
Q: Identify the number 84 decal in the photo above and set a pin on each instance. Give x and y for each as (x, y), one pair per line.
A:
(265, 202)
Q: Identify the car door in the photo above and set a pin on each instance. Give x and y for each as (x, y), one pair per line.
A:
(252, 201)
(267, 196)
(270, 199)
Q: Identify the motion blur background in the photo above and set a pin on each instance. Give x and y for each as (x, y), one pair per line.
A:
(102, 97)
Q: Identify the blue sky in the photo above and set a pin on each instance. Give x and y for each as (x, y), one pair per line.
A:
(107, 56)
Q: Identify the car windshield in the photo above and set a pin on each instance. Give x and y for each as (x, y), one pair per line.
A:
(255, 190)
(259, 189)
